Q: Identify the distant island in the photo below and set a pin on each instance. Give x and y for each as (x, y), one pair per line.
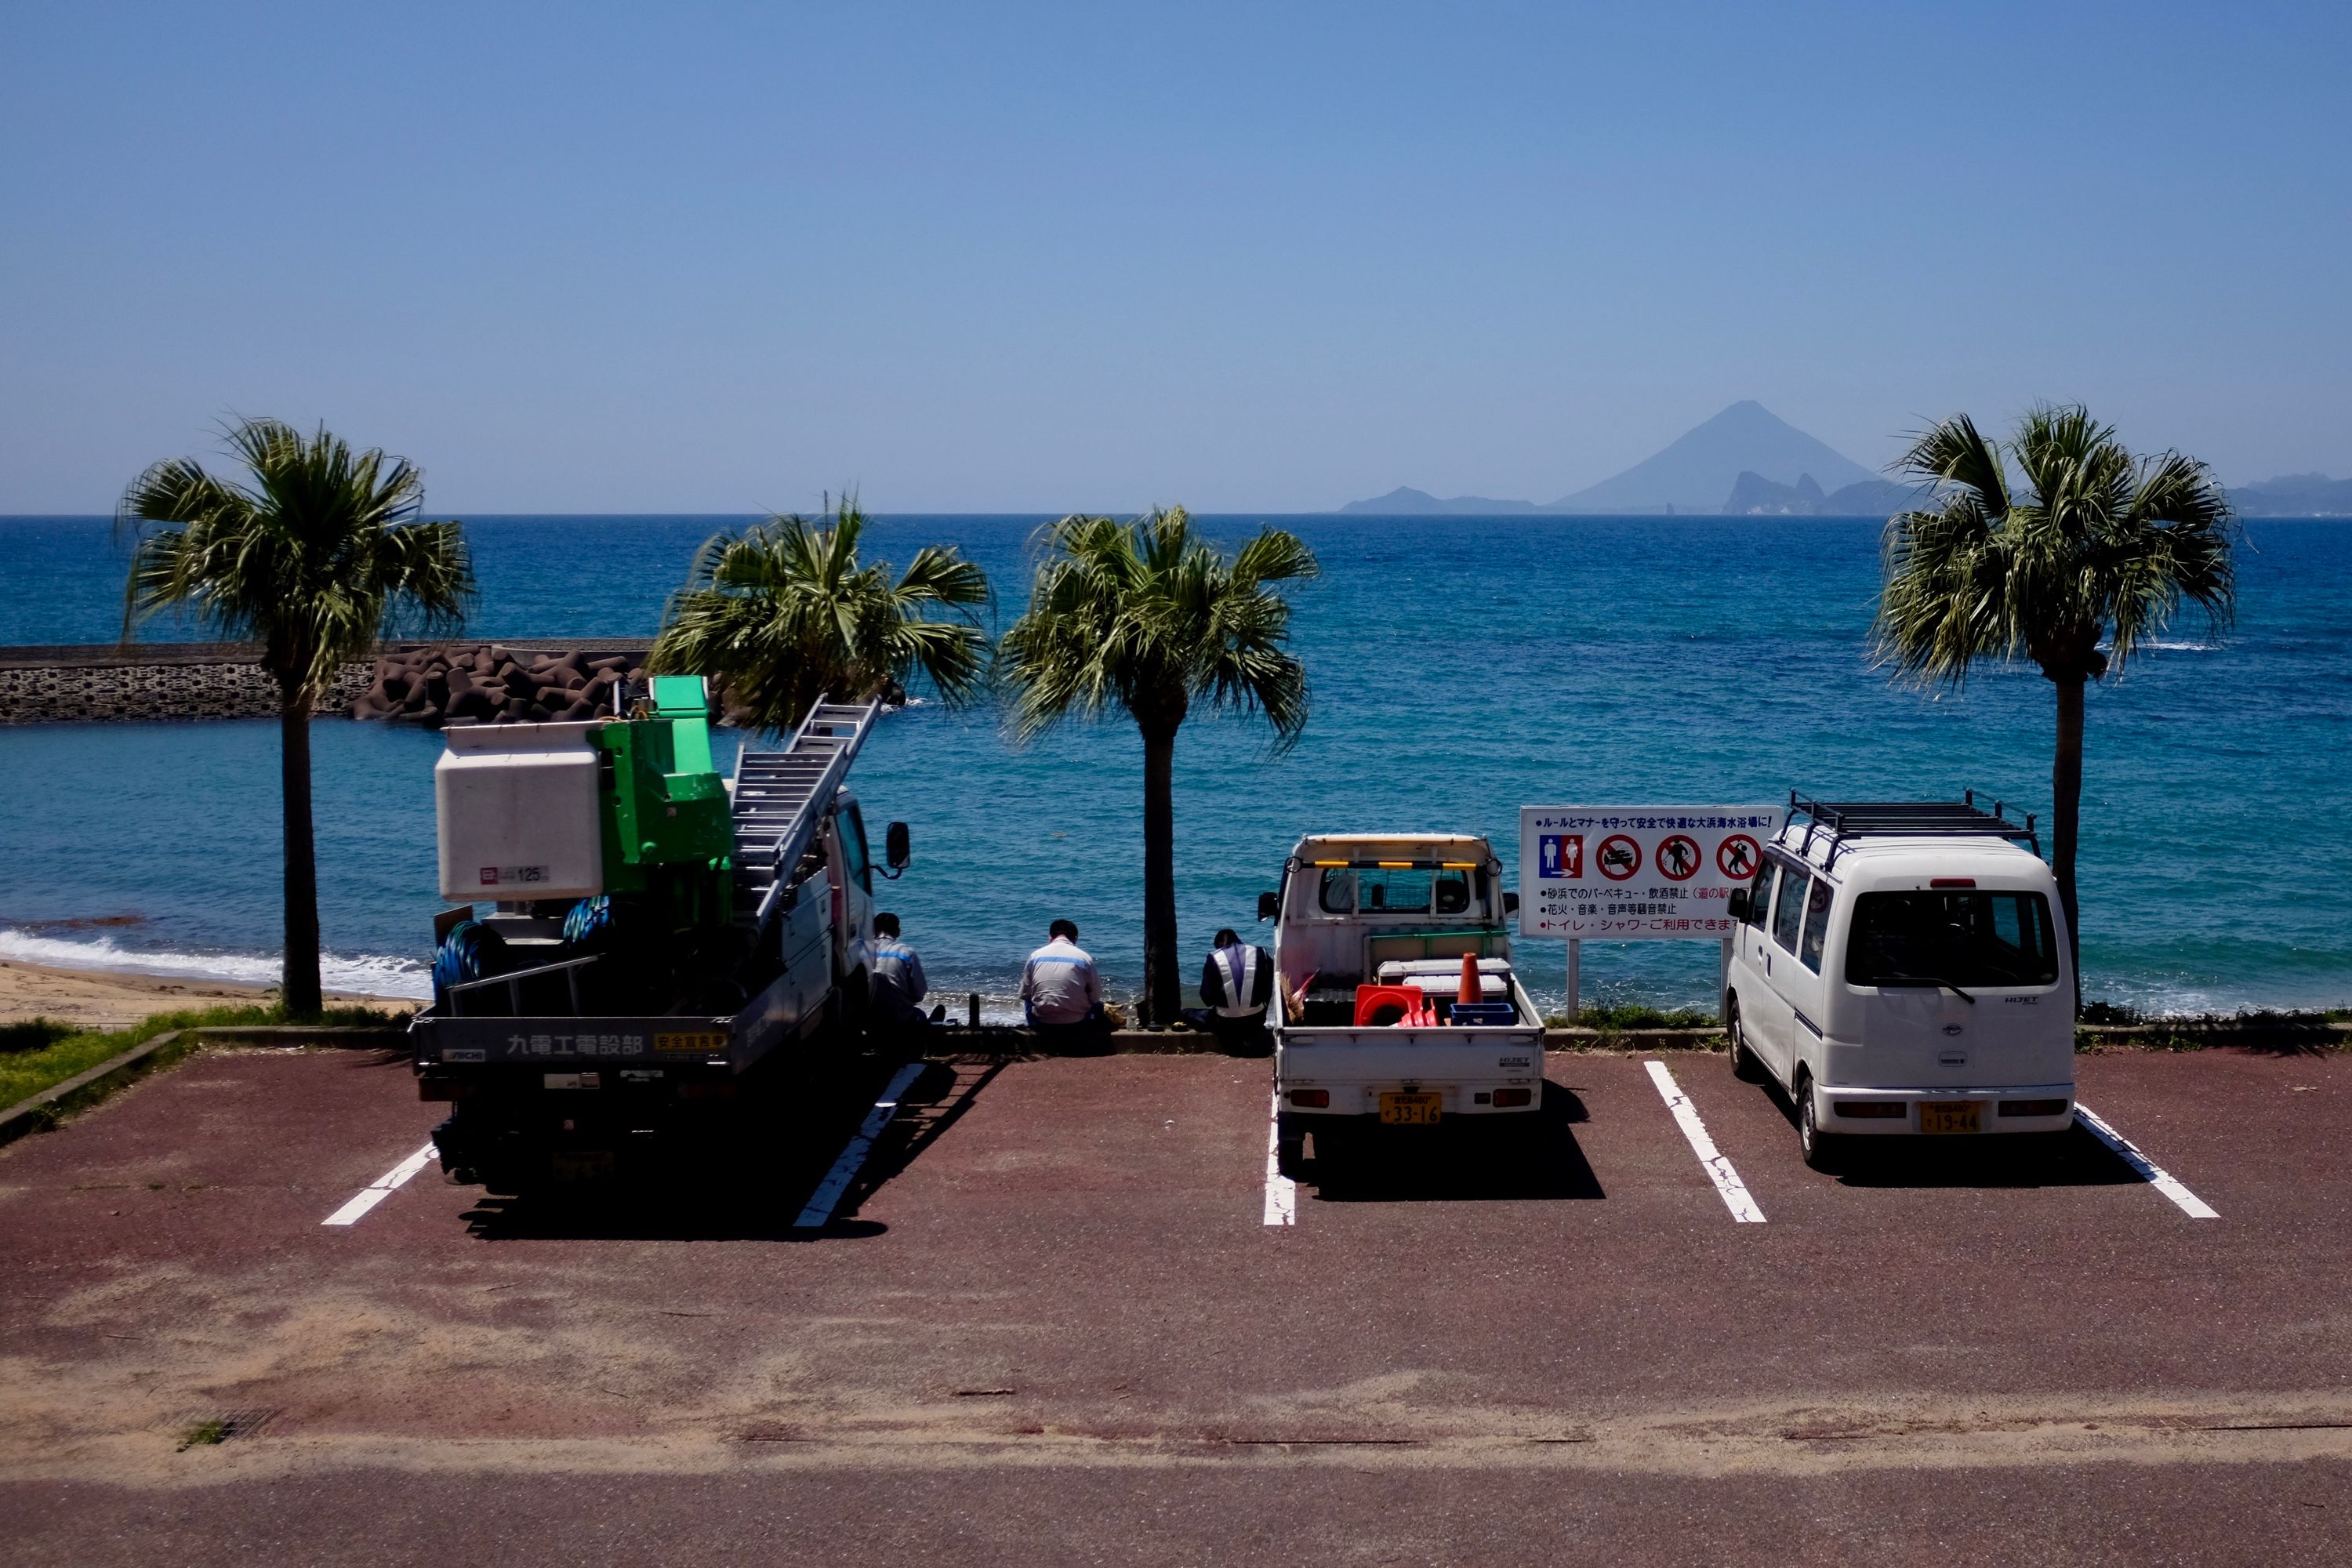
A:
(2294, 495)
(1745, 451)
(1747, 461)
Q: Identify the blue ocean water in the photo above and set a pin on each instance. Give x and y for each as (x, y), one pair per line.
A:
(1461, 666)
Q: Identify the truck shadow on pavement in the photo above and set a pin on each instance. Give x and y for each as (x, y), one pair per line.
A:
(756, 1186)
(1481, 1160)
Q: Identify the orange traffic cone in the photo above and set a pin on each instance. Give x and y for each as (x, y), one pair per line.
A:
(1470, 991)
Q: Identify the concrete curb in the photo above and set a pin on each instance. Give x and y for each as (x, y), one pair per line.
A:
(43, 1111)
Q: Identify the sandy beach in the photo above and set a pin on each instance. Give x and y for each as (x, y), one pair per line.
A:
(109, 999)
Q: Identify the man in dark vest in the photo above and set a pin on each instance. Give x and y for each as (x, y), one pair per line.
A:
(1237, 982)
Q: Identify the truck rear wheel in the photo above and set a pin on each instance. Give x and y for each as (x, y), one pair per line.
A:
(1289, 1148)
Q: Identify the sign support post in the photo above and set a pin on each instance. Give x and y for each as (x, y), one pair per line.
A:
(1575, 962)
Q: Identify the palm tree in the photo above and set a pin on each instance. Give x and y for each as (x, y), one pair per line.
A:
(2098, 548)
(314, 558)
(1147, 617)
(782, 614)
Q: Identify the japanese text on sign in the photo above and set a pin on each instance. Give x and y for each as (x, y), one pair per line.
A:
(1625, 873)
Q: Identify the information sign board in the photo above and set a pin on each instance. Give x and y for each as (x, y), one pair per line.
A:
(1631, 873)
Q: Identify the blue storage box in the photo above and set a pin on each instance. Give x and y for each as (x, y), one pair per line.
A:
(1477, 1014)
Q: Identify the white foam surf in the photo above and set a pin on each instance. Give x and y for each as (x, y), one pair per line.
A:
(368, 975)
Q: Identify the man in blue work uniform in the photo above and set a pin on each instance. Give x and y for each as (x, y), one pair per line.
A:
(898, 975)
(1061, 994)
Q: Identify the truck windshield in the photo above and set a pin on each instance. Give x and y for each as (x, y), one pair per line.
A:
(1951, 938)
(1393, 891)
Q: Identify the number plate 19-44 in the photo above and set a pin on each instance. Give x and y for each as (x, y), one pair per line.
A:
(1410, 1109)
(1951, 1116)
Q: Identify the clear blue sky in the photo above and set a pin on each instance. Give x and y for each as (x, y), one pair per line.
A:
(1266, 257)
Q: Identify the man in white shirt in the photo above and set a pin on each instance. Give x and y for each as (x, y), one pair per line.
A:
(1061, 994)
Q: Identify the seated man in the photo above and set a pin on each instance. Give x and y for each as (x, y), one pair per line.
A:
(1238, 984)
(898, 982)
(1061, 994)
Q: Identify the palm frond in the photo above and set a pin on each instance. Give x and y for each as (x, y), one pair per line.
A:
(314, 557)
(1147, 617)
(786, 612)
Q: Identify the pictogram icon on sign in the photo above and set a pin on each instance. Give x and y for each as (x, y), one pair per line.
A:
(1618, 856)
(1738, 856)
(1678, 857)
(1561, 855)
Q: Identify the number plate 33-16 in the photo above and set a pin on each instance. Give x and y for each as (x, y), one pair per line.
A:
(1409, 1109)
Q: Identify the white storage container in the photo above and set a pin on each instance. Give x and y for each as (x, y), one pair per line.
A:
(517, 808)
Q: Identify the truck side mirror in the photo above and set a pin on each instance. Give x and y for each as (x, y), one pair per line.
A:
(1737, 905)
(1510, 904)
(896, 852)
(1268, 905)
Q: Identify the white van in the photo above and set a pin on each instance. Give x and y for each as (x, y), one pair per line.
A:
(1902, 968)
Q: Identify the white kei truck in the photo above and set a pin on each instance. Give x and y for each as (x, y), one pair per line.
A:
(1370, 930)
(1901, 969)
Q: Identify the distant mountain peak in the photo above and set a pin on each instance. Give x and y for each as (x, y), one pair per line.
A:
(1694, 473)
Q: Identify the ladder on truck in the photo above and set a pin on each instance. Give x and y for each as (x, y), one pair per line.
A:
(779, 801)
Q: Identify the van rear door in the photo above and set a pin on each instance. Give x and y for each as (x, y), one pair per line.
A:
(1960, 986)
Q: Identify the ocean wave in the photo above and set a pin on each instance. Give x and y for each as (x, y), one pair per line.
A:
(371, 975)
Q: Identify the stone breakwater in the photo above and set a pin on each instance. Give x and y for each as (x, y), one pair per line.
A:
(492, 683)
(417, 683)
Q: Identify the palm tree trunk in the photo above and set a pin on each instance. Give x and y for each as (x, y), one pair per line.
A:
(2066, 812)
(1160, 983)
(301, 990)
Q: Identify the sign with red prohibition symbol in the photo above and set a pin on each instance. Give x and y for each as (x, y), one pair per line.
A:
(1622, 873)
(1618, 858)
(1678, 858)
(1738, 856)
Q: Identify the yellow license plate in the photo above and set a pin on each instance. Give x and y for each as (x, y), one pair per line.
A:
(697, 1041)
(1951, 1116)
(1410, 1109)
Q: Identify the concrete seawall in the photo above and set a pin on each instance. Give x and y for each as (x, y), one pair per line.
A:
(109, 682)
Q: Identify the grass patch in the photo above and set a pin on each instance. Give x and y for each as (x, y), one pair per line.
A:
(32, 1035)
(1623, 1015)
(204, 1434)
(26, 1071)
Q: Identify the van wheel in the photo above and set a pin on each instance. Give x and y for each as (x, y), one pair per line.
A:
(1819, 1148)
(1744, 1066)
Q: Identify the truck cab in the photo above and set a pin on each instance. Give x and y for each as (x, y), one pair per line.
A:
(1900, 969)
(1372, 932)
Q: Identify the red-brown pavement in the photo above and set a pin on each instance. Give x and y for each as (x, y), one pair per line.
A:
(1052, 1325)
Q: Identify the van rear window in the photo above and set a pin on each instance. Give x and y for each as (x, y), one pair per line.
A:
(1951, 938)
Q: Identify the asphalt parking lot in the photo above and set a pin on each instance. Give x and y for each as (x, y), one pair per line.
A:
(1062, 1310)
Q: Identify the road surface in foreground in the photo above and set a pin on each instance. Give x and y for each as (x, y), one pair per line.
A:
(1048, 1321)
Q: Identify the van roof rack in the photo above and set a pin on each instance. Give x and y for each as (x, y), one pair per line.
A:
(1843, 821)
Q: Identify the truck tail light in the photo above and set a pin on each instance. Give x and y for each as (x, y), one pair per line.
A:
(1313, 1099)
(1951, 881)
(2033, 1107)
(1879, 1110)
(435, 1089)
(1514, 1096)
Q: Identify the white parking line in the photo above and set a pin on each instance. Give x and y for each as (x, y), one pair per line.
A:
(819, 1211)
(382, 1187)
(1719, 1169)
(2150, 1171)
(1281, 1192)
